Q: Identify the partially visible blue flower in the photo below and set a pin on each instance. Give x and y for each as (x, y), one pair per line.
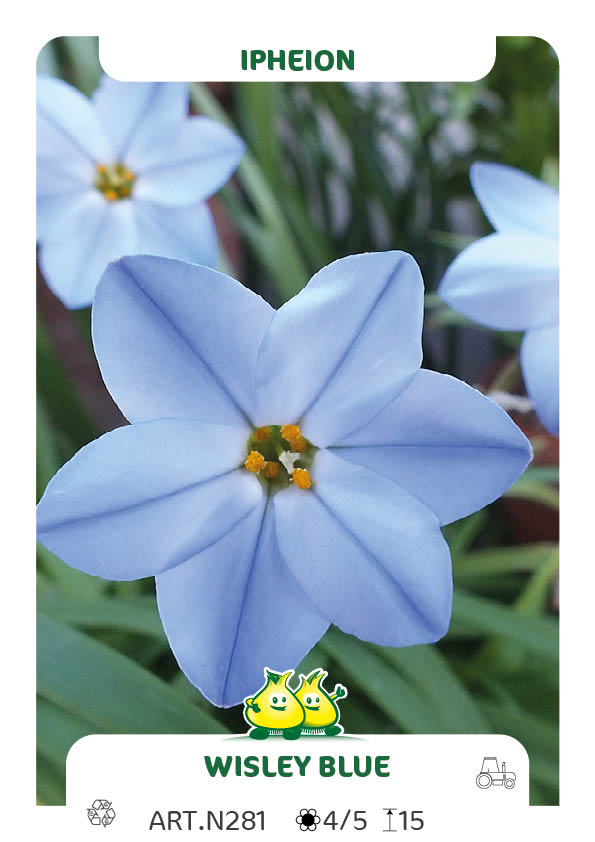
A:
(127, 171)
(283, 469)
(509, 280)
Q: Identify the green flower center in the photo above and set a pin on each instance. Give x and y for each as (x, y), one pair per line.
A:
(114, 181)
(280, 455)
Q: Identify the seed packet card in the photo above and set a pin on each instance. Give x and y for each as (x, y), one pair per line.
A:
(297, 444)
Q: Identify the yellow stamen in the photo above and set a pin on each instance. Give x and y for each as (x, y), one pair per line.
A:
(299, 444)
(261, 433)
(254, 461)
(290, 432)
(114, 181)
(301, 477)
(271, 469)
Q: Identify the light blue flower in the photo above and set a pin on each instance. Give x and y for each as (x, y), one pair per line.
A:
(251, 570)
(124, 172)
(509, 280)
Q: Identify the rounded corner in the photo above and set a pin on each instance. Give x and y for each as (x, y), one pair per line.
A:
(548, 44)
(76, 746)
(519, 744)
(492, 63)
(44, 46)
(102, 66)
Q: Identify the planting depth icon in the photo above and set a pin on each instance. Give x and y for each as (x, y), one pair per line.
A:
(492, 775)
(277, 710)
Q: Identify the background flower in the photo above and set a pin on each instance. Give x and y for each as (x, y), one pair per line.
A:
(126, 171)
(509, 280)
(252, 572)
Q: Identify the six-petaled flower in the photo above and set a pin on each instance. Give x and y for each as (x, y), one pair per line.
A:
(283, 470)
(509, 280)
(125, 172)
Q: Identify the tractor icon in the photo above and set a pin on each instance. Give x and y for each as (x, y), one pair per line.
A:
(492, 774)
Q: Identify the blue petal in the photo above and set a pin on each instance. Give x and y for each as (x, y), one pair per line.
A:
(75, 251)
(235, 609)
(539, 361)
(56, 192)
(60, 181)
(369, 555)
(68, 129)
(58, 176)
(187, 233)
(515, 202)
(146, 497)
(342, 349)
(187, 163)
(505, 281)
(177, 340)
(134, 112)
(446, 443)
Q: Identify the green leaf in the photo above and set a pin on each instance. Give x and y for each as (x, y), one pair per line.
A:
(51, 783)
(501, 560)
(48, 458)
(77, 60)
(476, 616)
(542, 796)
(539, 492)
(258, 109)
(130, 614)
(58, 730)
(497, 654)
(95, 683)
(429, 671)
(460, 535)
(83, 54)
(287, 268)
(59, 396)
(539, 737)
(456, 242)
(534, 598)
(370, 673)
(543, 473)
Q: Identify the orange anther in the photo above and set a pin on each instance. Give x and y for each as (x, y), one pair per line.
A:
(290, 432)
(261, 433)
(299, 444)
(254, 461)
(271, 469)
(301, 477)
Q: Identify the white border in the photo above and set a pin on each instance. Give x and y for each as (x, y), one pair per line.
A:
(391, 41)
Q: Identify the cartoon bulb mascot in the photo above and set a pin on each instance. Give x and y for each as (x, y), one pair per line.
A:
(274, 709)
(321, 710)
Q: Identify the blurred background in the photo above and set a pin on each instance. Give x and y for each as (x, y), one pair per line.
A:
(333, 169)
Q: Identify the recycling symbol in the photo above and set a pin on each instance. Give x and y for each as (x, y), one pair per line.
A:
(101, 812)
